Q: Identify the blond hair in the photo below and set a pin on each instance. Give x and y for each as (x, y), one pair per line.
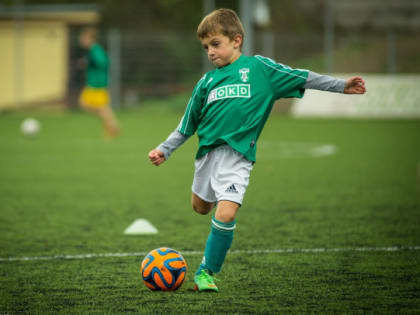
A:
(221, 21)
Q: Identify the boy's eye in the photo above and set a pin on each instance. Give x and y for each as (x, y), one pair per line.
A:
(205, 47)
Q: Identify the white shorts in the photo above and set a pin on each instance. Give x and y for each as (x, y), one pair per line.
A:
(222, 174)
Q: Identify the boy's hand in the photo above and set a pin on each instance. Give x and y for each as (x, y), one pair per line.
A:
(156, 157)
(355, 85)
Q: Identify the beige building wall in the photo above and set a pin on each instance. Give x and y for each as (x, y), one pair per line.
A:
(33, 62)
(7, 77)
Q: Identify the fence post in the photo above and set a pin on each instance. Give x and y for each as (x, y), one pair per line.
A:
(246, 9)
(392, 52)
(114, 49)
(329, 36)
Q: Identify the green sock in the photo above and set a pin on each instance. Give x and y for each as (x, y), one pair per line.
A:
(217, 246)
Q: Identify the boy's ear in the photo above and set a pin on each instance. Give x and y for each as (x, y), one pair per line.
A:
(238, 40)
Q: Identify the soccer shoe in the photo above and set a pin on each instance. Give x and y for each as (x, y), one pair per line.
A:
(204, 282)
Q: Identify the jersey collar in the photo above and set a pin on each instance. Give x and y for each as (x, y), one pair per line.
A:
(231, 65)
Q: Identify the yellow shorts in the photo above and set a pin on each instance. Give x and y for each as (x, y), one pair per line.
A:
(94, 97)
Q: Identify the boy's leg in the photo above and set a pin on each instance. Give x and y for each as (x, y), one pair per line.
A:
(226, 211)
(201, 206)
(220, 237)
(109, 121)
(103, 112)
(223, 175)
(217, 246)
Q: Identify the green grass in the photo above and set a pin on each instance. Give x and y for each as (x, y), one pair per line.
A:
(68, 191)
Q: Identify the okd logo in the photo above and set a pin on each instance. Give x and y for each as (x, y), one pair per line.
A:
(230, 91)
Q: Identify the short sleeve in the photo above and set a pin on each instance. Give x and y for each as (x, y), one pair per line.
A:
(191, 119)
(285, 81)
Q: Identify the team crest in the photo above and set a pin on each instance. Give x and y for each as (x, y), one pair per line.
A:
(244, 74)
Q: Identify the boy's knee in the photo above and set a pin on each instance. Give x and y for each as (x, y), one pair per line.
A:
(225, 217)
(200, 206)
(226, 211)
(201, 209)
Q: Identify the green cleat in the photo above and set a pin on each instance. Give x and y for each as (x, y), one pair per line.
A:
(204, 282)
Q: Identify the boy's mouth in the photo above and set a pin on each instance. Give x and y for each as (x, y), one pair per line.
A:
(217, 61)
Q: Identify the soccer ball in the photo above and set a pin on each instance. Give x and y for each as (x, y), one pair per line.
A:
(163, 269)
(30, 127)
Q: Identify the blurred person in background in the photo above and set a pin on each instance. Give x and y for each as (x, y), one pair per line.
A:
(94, 96)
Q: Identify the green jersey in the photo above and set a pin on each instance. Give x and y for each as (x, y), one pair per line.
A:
(230, 105)
(97, 68)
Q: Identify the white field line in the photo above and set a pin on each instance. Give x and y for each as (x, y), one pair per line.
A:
(234, 252)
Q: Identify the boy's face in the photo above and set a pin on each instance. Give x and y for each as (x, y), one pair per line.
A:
(86, 40)
(221, 50)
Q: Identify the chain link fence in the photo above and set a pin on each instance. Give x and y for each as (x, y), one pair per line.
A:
(165, 63)
(159, 63)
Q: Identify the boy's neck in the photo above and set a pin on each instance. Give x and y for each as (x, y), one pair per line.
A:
(236, 57)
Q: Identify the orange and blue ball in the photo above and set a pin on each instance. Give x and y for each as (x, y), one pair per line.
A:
(163, 269)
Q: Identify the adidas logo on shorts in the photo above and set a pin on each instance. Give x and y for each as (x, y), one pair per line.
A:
(231, 189)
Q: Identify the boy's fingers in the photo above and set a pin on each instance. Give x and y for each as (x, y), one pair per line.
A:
(361, 89)
(356, 85)
(155, 153)
(157, 162)
(156, 158)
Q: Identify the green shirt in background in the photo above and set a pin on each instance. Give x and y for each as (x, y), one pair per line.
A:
(230, 105)
(97, 67)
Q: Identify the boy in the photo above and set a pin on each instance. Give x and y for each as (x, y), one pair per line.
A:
(228, 109)
(94, 96)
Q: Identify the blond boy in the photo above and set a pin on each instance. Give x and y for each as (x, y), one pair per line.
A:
(228, 109)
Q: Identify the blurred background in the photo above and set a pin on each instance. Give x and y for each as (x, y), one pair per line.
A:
(154, 51)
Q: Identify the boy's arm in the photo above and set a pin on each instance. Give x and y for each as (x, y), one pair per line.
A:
(354, 85)
(173, 142)
(165, 149)
(185, 129)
